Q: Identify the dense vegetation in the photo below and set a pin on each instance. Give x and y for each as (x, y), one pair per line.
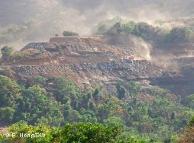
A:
(70, 133)
(148, 112)
(159, 36)
(69, 33)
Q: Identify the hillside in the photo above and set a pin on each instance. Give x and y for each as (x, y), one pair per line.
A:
(85, 60)
(133, 75)
(97, 60)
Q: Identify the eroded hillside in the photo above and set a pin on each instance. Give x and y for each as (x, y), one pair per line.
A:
(86, 60)
(100, 60)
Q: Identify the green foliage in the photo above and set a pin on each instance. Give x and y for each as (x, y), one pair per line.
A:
(7, 114)
(64, 87)
(71, 133)
(6, 52)
(129, 27)
(89, 133)
(127, 137)
(159, 36)
(133, 88)
(189, 101)
(142, 29)
(121, 91)
(1, 138)
(179, 35)
(40, 80)
(145, 31)
(36, 107)
(45, 133)
(114, 121)
(191, 123)
(105, 26)
(68, 33)
(88, 116)
(9, 92)
(152, 112)
(19, 55)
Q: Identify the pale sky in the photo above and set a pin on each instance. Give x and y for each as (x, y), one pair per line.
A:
(35, 20)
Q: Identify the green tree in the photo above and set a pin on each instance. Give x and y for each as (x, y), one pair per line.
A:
(121, 91)
(179, 35)
(129, 27)
(133, 88)
(35, 106)
(127, 137)
(45, 132)
(72, 133)
(191, 123)
(115, 121)
(89, 133)
(189, 101)
(40, 80)
(64, 87)
(9, 92)
(7, 114)
(69, 33)
(6, 52)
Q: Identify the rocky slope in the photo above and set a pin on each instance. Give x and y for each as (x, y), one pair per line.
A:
(95, 60)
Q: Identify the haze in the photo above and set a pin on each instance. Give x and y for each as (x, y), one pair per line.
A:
(23, 21)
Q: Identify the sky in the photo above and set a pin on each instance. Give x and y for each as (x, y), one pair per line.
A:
(23, 21)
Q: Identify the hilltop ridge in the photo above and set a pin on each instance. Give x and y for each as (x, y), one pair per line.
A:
(103, 59)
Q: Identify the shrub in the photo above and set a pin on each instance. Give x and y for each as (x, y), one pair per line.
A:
(68, 33)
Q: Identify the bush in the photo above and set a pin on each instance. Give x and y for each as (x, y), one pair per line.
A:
(6, 52)
(68, 33)
(89, 133)
(6, 114)
(44, 133)
(9, 92)
(36, 107)
(179, 35)
(70, 133)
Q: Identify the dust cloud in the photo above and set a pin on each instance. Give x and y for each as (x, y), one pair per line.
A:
(23, 21)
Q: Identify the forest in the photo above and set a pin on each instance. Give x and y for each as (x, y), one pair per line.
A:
(66, 113)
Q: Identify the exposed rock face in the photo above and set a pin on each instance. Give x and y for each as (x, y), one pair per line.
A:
(95, 72)
(91, 60)
(85, 60)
